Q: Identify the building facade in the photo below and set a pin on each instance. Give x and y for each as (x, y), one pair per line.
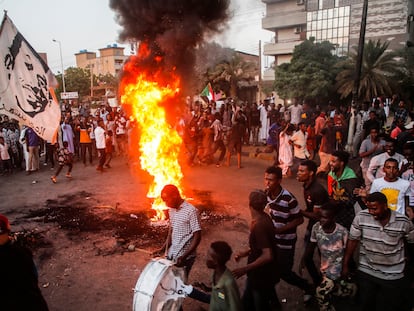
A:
(337, 21)
(110, 60)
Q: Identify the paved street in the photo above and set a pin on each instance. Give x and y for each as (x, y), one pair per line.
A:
(228, 186)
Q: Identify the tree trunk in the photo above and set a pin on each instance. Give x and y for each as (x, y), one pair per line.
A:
(233, 89)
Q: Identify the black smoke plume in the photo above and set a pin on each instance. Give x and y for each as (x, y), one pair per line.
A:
(171, 28)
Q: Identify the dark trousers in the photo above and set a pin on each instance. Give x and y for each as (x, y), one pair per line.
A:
(108, 158)
(260, 299)
(192, 148)
(102, 157)
(84, 147)
(7, 166)
(285, 262)
(59, 169)
(50, 154)
(219, 145)
(382, 295)
(309, 263)
(187, 264)
(200, 296)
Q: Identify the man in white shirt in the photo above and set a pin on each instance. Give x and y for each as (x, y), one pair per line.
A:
(264, 123)
(360, 118)
(377, 162)
(407, 173)
(371, 146)
(396, 190)
(100, 144)
(298, 141)
(295, 113)
(185, 230)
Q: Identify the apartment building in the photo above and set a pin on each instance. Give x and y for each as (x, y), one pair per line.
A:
(110, 60)
(337, 21)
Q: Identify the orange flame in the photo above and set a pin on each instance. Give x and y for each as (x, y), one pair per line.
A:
(159, 143)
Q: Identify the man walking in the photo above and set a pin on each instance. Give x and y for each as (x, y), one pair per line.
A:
(327, 147)
(375, 165)
(370, 147)
(100, 144)
(298, 140)
(261, 267)
(32, 143)
(315, 196)
(342, 181)
(285, 213)
(381, 235)
(396, 189)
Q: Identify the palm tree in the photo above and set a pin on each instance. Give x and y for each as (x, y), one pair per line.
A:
(379, 68)
(233, 71)
(406, 81)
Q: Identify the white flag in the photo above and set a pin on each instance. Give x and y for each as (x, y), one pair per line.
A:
(26, 84)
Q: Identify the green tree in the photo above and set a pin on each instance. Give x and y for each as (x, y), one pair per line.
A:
(108, 80)
(310, 74)
(379, 71)
(76, 80)
(232, 72)
(208, 55)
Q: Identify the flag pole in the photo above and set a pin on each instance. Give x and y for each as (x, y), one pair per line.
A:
(4, 19)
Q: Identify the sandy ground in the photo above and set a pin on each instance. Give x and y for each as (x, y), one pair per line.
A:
(75, 275)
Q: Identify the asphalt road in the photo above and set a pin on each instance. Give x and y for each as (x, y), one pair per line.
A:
(125, 187)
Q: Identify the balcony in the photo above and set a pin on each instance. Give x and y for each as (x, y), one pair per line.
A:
(272, 1)
(269, 74)
(283, 20)
(280, 48)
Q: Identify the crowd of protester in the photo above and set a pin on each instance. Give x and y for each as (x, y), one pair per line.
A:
(361, 220)
(368, 208)
(86, 137)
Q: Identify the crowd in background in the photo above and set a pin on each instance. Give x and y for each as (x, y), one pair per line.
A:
(207, 128)
(81, 138)
(212, 133)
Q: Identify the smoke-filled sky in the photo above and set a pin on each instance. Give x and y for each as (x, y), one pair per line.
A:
(91, 25)
(171, 29)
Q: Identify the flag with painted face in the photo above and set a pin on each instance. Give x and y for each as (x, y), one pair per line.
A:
(26, 84)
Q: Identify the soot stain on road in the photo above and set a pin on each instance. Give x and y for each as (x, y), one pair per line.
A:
(80, 214)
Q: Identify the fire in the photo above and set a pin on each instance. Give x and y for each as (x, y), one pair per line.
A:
(159, 144)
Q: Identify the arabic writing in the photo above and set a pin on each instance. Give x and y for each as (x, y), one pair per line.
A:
(40, 130)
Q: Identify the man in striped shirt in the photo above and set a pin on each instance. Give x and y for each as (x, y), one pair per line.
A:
(381, 234)
(286, 216)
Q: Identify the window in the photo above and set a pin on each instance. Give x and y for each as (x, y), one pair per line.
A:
(330, 24)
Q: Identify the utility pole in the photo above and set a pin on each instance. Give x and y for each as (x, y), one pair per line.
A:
(358, 69)
(91, 73)
(61, 64)
(361, 43)
(260, 71)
